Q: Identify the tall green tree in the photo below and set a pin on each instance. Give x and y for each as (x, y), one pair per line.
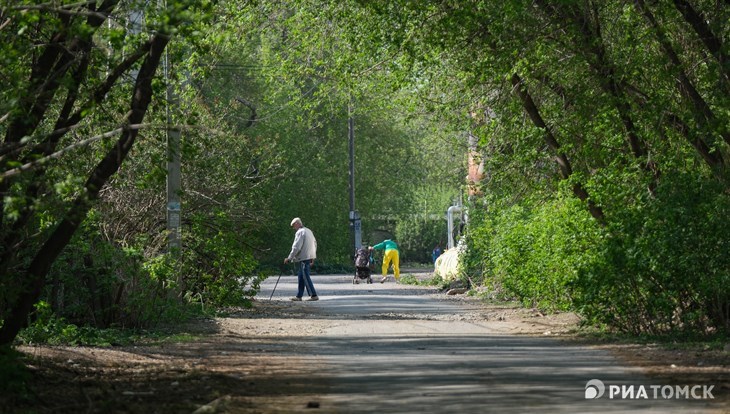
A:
(614, 102)
(309, 77)
(64, 75)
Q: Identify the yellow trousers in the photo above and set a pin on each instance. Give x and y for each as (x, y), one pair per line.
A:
(391, 256)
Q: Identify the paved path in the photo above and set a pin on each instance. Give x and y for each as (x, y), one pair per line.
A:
(403, 349)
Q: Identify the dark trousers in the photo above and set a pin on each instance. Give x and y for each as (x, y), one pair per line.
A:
(305, 281)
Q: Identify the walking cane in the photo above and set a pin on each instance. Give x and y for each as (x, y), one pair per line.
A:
(277, 282)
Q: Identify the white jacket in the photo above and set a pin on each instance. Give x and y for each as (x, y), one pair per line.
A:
(304, 246)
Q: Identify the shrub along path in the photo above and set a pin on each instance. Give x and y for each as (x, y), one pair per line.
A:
(369, 348)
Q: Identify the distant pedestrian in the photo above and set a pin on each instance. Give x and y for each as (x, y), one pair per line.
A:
(436, 252)
(303, 252)
(391, 256)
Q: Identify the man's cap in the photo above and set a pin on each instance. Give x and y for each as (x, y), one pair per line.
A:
(295, 220)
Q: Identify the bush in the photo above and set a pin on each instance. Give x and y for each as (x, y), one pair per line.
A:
(533, 253)
(48, 328)
(660, 266)
(94, 280)
(99, 284)
(218, 268)
(664, 267)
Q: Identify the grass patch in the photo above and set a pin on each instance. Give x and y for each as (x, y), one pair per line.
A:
(434, 281)
(50, 329)
(72, 335)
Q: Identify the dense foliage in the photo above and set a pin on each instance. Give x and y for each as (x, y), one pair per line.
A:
(291, 75)
(90, 93)
(601, 131)
(83, 92)
(621, 105)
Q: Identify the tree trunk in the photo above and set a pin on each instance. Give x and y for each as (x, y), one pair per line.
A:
(560, 158)
(712, 42)
(46, 76)
(49, 145)
(701, 110)
(591, 41)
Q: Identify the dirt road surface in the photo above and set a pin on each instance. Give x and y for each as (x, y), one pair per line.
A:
(380, 348)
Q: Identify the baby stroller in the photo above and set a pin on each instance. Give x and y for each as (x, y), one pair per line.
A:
(363, 265)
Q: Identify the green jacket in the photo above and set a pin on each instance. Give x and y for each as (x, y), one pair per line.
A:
(386, 245)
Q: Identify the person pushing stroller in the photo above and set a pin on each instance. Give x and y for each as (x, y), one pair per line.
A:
(391, 256)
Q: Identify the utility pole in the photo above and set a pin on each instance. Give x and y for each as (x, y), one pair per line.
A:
(174, 175)
(355, 223)
(173, 143)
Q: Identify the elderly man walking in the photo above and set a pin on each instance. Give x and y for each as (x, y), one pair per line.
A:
(303, 252)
